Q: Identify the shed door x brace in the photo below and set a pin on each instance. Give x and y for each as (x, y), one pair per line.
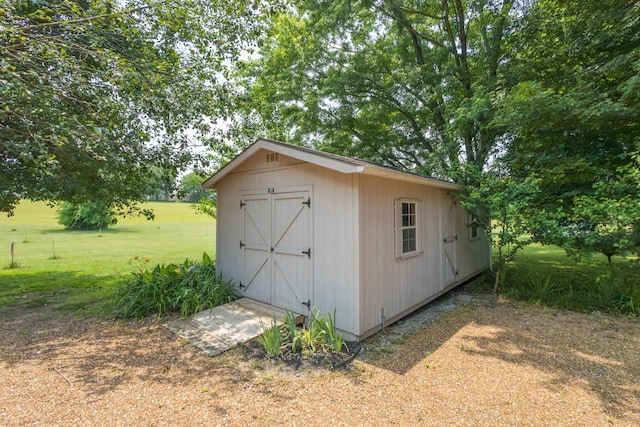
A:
(275, 246)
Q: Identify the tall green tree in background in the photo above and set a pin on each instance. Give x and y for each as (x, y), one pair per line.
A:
(409, 83)
(414, 84)
(97, 95)
(191, 187)
(534, 102)
(573, 121)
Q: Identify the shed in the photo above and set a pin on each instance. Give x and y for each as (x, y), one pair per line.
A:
(298, 228)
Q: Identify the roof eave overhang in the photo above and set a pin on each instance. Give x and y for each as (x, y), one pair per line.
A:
(407, 177)
(293, 152)
(335, 164)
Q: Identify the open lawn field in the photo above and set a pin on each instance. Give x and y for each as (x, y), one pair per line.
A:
(77, 270)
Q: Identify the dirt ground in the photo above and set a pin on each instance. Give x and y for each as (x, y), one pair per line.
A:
(491, 362)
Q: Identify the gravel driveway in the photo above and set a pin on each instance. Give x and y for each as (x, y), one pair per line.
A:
(491, 362)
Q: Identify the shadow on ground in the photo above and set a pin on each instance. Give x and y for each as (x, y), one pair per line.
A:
(81, 291)
(99, 355)
(599, 352)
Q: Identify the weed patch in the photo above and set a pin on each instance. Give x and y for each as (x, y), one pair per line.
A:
(578, 286)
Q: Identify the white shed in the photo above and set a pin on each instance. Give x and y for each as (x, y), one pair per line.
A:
(298, 228)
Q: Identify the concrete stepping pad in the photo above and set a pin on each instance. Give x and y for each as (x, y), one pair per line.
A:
(221, 328)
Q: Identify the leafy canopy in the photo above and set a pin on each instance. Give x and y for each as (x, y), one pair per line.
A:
(573, 122)
(411, 84)
(98, 95)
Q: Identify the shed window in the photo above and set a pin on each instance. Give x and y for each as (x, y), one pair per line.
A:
(407, 224)
(473, 227)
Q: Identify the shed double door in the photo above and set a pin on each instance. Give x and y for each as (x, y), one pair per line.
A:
(275, 246)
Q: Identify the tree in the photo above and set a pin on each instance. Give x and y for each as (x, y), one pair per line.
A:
(207, 206)
(408, 83)
(191, 187)
(85, 216)
(414, 84)
(502, 205)
(159, 183)
(573, 120)
(612, 213)
(96, 93)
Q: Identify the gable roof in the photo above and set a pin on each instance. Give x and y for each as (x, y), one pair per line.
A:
(330, 161)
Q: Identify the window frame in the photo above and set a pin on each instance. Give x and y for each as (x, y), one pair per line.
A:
(406, 221)
(473, 227)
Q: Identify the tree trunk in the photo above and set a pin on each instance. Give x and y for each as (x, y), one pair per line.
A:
(500, 273)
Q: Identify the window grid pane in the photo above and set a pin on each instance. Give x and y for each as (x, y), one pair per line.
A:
(409, 227)
(409, 240)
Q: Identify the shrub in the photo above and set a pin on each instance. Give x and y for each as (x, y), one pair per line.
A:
(85, 216)
(186, 288)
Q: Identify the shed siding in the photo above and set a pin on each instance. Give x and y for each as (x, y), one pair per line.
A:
(334, 229)
(396, 285)
(355, 267)
(473, 255)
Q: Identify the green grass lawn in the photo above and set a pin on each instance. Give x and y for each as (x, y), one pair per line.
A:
(537, 260)
(78, 270)
(546, 275)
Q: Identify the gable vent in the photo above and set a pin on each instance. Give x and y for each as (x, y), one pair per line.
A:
(273, 157)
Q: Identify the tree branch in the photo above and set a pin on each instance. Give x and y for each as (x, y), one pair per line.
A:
(74, 21)
(419, 12)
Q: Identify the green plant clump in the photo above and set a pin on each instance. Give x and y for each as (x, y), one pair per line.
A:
(272, 339)
(186, 288)
(613, 289)
(319, 335)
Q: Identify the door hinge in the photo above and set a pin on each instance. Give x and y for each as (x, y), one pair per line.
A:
(307, 252)
(307, 304)
(241, 286)
(242, 204)
(308, 202)
(242, 244)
